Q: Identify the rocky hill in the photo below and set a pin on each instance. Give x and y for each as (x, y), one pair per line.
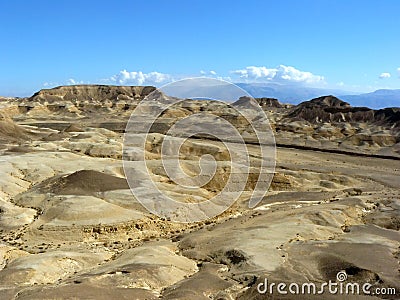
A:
(332, 109)
(97, 93)
(269, 102)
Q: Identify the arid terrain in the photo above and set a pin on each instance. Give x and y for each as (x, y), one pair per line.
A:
(70, 227)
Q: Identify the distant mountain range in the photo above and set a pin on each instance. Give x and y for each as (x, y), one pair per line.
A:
(296, 94)
(377, 99)
(286, 93)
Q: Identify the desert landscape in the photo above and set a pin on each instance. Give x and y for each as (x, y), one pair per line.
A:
(70, 227)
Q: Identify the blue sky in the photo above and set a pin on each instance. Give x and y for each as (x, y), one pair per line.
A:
(349, 45)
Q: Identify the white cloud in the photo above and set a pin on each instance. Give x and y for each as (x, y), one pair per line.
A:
(398, 70)
(281, 73)
(139, 78)
(224, 78)
(384, 75)
(50, 84)
(72, 81)
(212, 72)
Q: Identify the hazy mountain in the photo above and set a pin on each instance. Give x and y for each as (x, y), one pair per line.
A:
(377, 99)
(295, 94)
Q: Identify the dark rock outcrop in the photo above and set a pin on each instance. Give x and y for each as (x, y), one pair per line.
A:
(266, 103)
(332, 109)
(83, 182)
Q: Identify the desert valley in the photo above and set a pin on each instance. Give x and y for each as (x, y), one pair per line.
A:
(70, 227)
